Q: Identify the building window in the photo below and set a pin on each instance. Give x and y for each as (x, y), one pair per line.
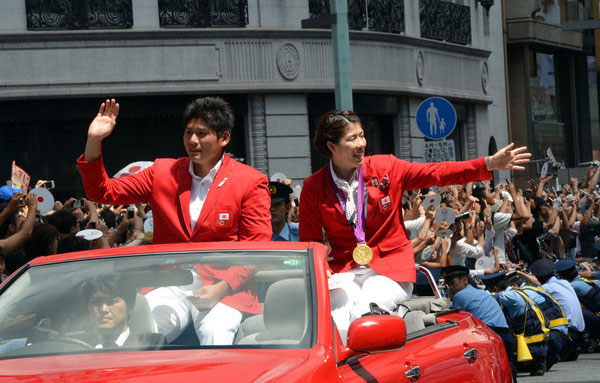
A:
(442, 20)
(202, 13)
(78, 14)
(544, 94)
(375, 15)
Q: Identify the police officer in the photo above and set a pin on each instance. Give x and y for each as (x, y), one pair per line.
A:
(588, 293)
(553, 312)
(563, 293)
(524, 318)
(482, 305)
(280, 207)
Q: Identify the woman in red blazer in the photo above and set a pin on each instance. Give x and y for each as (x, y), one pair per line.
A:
(358, 199)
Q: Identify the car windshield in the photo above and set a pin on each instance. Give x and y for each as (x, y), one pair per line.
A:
(237, 299)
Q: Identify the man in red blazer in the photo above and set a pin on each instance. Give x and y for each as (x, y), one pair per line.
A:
(206, 196)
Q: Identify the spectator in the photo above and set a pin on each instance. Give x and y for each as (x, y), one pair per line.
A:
(43, 241)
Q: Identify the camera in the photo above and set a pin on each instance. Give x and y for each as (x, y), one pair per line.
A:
(130, 211)
(49, 185)
(462, 216)
(78, 203)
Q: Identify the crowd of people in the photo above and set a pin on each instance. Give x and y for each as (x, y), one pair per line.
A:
(379, 216)
(536, 252)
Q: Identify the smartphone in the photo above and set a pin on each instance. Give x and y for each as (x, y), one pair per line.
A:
(49, 185)
(130, 212)
(77, 204)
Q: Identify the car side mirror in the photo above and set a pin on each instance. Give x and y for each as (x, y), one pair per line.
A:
(376, 333)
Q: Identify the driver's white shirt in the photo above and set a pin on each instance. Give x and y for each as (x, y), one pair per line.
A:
(120, 340)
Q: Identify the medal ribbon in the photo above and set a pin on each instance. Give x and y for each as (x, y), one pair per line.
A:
(361, 205)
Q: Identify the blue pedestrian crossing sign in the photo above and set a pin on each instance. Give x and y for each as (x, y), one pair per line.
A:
(436, 118)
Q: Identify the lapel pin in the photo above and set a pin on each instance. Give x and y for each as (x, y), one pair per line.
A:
(222, 182)
(375, 182)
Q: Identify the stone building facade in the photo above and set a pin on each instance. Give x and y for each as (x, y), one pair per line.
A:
(60, 58)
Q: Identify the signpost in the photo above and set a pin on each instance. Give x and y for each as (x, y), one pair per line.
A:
(436, 119)
(439, 151)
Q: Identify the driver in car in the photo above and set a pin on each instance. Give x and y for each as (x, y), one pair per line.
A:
(111, 302)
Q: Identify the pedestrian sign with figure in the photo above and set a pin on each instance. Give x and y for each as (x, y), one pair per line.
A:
(436, 118)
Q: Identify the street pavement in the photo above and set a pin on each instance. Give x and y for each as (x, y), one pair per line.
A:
(585, 369)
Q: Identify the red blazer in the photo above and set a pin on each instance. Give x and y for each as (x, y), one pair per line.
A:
(393, 254)
(236, 207)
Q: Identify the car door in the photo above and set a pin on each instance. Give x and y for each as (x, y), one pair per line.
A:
(446, 352)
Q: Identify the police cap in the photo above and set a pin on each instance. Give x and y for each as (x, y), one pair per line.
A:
(491, 280)
(542, 267)
(565, 265)
(453, 271)
(279, 191)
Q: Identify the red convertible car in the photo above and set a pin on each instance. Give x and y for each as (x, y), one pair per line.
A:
(55, 311)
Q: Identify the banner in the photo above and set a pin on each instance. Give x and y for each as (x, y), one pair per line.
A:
(19, 178)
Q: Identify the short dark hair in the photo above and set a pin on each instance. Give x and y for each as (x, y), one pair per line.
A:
(72, 243)
(331, 128)
(41, 238)
(112, 285)
(108, 216)
(509, 281)
(10, 220)
(64, 220)
(214, 111)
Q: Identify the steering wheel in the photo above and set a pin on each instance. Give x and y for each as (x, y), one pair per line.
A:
(71, 340)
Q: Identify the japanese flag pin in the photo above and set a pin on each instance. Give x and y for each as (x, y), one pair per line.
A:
(45, 199)
(431, 200)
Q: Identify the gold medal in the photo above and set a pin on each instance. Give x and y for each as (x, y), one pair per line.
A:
(362, 254)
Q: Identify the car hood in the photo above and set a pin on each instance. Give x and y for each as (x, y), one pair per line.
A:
(240, 365)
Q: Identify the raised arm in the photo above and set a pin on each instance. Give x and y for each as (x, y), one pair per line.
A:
(16, 240)
(593, 181)
(100, 128)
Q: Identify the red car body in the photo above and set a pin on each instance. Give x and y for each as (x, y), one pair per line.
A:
(460, 348)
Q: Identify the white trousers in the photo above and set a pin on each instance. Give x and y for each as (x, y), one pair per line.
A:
(360, 286)
(172, 313)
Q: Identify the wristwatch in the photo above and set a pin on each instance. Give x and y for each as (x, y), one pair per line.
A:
(469, 227)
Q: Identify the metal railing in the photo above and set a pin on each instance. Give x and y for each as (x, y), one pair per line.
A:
(202, 13)
(376, 15)
(78, 14)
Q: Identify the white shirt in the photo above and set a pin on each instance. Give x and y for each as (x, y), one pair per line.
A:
(463, 250)
(501, 221)
(413, 227)
(349, 189)
(120, 340)
(199, 191)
